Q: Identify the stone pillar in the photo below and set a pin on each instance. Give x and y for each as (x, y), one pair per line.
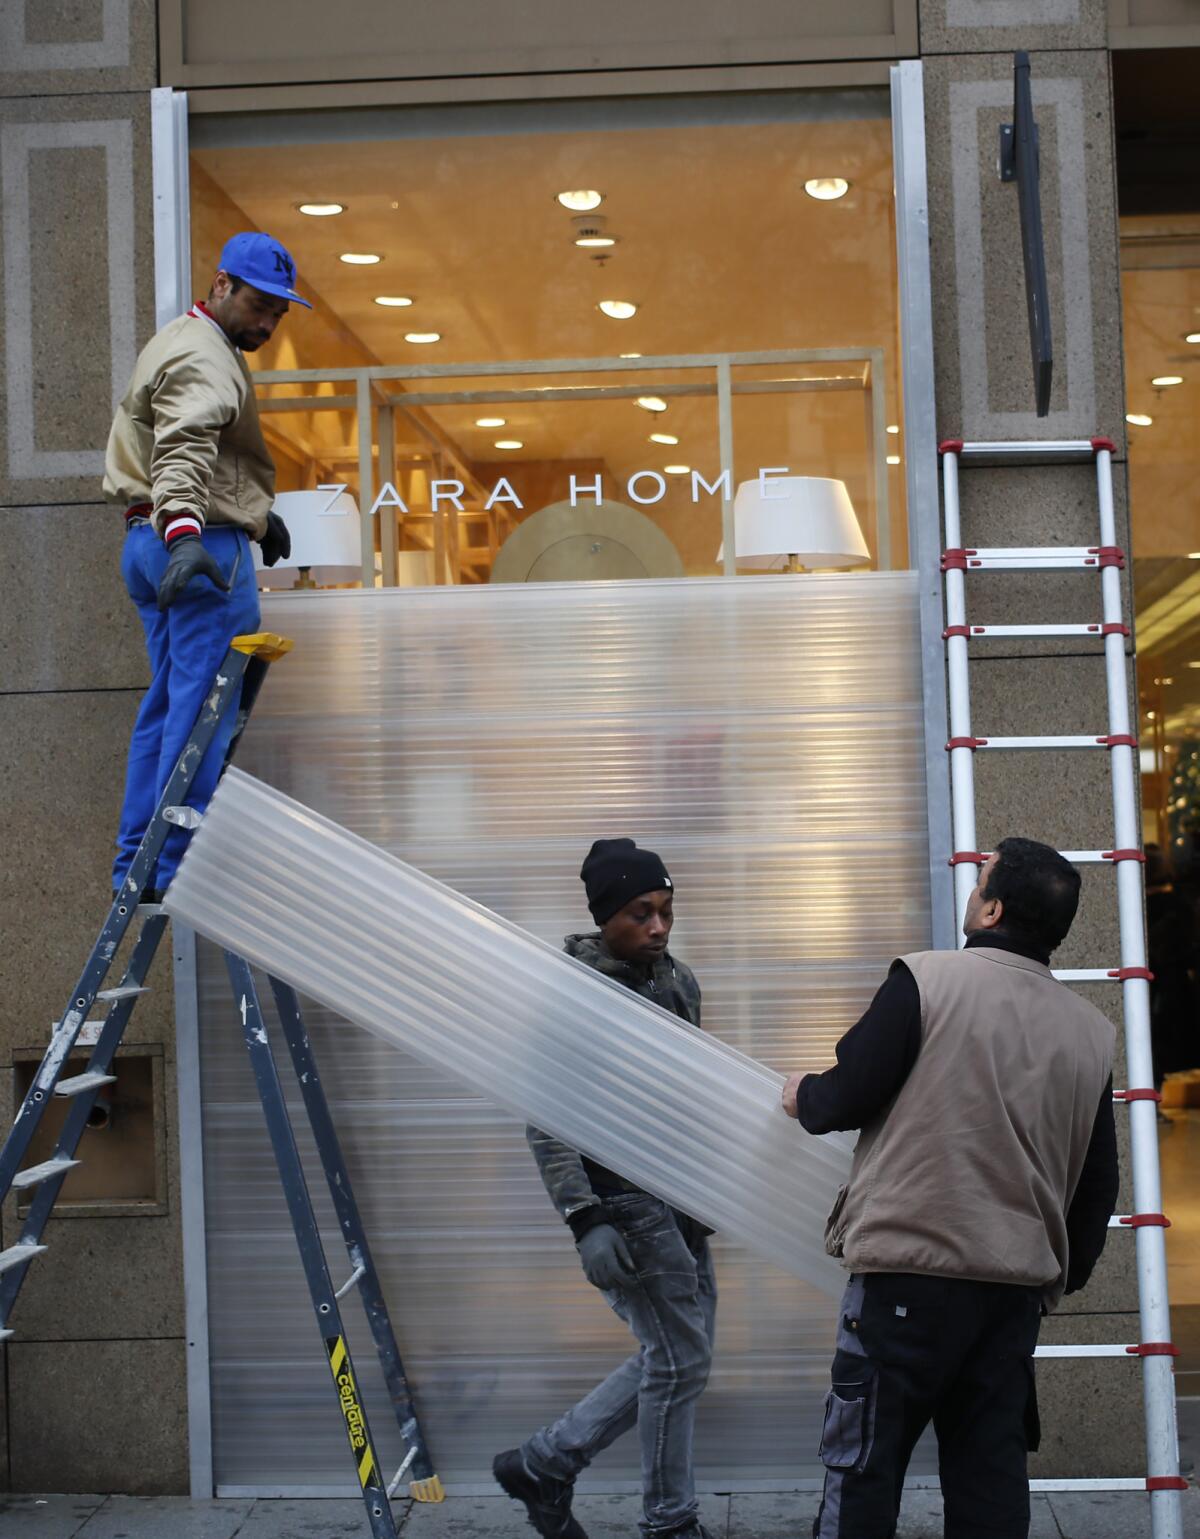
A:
(95, 1372)
(1091, 1417)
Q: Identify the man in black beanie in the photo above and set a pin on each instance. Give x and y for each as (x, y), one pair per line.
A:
(650, 1261)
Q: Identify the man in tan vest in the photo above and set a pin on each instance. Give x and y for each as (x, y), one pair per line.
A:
(982, 1185)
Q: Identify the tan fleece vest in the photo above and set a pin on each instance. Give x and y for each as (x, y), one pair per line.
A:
(970, 1171)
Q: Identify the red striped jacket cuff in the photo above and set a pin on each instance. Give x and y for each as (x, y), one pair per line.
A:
(182, 524)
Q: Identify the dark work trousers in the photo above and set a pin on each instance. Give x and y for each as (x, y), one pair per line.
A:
(912, 1350)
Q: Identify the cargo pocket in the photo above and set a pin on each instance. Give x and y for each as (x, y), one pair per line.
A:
(1033, 1421)
(849, 1430)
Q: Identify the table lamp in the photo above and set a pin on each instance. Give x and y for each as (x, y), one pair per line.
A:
(326, 546)
(801, 521)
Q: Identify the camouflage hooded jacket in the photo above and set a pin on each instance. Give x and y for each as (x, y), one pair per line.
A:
(578, 1185)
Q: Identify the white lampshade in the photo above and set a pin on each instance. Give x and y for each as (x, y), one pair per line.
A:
(810, 518)
(325, 539)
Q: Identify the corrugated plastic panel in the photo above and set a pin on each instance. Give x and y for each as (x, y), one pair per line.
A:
(764, 736)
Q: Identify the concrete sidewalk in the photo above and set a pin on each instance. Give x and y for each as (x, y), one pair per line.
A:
(1073, 1516)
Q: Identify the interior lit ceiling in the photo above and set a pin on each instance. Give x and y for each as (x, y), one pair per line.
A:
(718, 245)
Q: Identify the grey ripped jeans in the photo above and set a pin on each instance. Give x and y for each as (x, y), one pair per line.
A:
(671, 1309)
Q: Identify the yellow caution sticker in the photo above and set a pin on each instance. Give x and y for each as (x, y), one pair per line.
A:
(352, 1411)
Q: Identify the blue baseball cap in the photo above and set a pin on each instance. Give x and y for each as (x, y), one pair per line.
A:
(261, 261)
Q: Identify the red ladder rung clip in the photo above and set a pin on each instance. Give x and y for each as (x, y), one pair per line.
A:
(1131, 972)
(1103, 443)
(1108, 555)
(966, 742)
(968, 857)
(1119, 855)
(1166, 1483)
(1118, 740)
(955, 559)
(1146, 1221)
(1112, 629)
(956, 630)
(1137, 1095)
(950, 446)
(1154, 1349)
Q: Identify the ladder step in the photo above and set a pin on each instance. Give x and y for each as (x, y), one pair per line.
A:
(1034, 558)
(1060, 451)
(79, 1084)
(122, 991)
(18, 1255)
(1041, 742)
(1035, 630)
(1114, 1350)
(43, 1172)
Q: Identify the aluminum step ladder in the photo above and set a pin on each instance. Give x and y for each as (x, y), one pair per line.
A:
(1147, 1222)
(238, 680)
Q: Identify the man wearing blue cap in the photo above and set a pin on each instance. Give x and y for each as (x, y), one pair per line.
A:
(187, 462)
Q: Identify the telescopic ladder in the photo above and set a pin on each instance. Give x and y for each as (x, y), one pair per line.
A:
(1147, 1222)
(235, 686)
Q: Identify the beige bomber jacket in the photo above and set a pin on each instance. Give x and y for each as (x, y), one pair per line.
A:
(186, 436)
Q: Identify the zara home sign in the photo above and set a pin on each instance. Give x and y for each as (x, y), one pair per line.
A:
(643, 486)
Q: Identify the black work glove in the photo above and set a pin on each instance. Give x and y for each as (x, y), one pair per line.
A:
(188, 559)
(276, 542)
(607, 1263)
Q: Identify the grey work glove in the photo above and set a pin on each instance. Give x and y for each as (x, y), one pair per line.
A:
(276, 543)
(607, 1263)
(188, 559)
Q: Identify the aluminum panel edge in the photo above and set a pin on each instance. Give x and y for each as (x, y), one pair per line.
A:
(921, 467)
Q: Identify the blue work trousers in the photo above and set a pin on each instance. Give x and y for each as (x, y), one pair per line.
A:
(185, 645)
(671, 1309)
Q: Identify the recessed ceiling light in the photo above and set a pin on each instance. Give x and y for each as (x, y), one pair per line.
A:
(321, 210)
(509, 443)
(596, 240)
(422, 336)
(827, 188)
(677, 470)
(581, 199)
(1138, 418)
(618, 309)
(663, 438)
(360, 258)
(893, 459)
(892, 427)
(396, 301)
(651, 403)
(629, 355)
(1192, 336)
(1194, 555)
(1163, 380)
(491, 421)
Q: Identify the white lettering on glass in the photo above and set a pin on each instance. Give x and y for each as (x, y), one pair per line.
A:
(646, 475)
(388, 497)
(721, 484)
(764, 484)
(595, 486)
(450, 491)
(335, 490)
(503, 492)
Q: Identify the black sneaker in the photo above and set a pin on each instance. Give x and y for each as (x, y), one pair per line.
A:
(547, 1501)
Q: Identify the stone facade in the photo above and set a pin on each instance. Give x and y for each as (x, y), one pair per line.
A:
(95, 1378)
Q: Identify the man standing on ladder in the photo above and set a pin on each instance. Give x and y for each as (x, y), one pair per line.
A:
(981, 1189)
(651, 1262)
(187, 462)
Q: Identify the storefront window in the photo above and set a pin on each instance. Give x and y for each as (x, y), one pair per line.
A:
(726, 313)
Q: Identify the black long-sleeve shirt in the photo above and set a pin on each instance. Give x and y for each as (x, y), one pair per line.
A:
(875, 1057)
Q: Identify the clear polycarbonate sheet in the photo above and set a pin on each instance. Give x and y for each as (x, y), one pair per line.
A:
(764, 736)
(680, 1113)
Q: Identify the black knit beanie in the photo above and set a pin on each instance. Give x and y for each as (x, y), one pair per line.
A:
(616, 871)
